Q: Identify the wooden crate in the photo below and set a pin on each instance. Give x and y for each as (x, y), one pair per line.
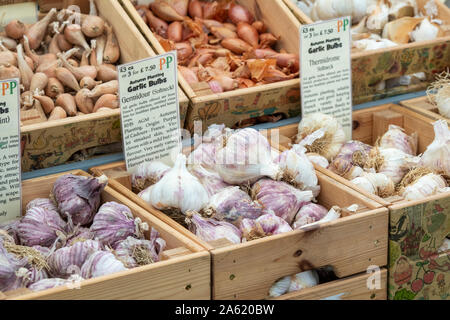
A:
(423, 224)
(351, 288)
(371, 67)
(248, 270)
(184, 273)
(423, 106)
(234, 106)
(52, 143)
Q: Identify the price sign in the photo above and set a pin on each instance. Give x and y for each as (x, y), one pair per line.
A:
(10, 178)
(148, 93)
(326, 74)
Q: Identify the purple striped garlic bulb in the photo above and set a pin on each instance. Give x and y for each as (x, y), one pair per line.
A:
(42, 203)
(318, 159)
(204, 153)
(101, 263)
(211, 180)
(140, 252)
(281, 198)
(396, 138)
(41, 227)
(78, 197)
(31, 274)
(266, 225)
(115, 222)
(298, 170)
(245, 157)
(391, 162)
(10, 230)
(309, 213)
(79, 234)
(148, 174)
(210, 229)
(72, 282)
(9, 265)
(232, 204)
(350, 161)
(68, 260)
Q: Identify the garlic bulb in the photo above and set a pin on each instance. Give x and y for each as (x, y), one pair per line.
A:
(41, 227)
(318, 159)
(80, 234)
(55, 282)
(377, 16)
(330, 9)
(44, 203)
(9, 265)
(373, 44)
(437, 155)
(211, 180)
(394, 163)
(30, 275)
(350, 160)
(322, 134)
(10, 229)
(146, 194)
(280, 287)
(115, 222)
(232, 204)
(426, 30)
(419, 184)
(204, 155)
(396, 138)
(211, 230)
(309, 213)
(246, 157)
(139, 252)
(101, 263)
(298, 170)
(439, 93)
(64, 261)
(78, 197)
(376, 183)
(148, 174)
(333, 214)
(179, 189)
(272, 224)
(302, 280)
(281, 198)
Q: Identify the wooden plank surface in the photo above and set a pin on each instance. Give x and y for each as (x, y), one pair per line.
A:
(351, 288)
(423, 106)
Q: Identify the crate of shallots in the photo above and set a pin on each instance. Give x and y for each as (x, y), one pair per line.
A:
(398, 46)
(400, 159)
(80, 239)
(67, 65)
(262, 214)
(238, 60)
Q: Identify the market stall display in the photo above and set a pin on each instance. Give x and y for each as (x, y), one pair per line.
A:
(113, 252)
(398, 46)
(251, 61)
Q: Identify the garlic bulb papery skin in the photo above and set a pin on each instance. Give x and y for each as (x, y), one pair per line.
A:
(426, 31)
(437, 155)
(211, 229)
(179, 189)
(10, 228)
(232, 204)
(280, 287)
(281, 198)
(442, 99)
(392, 162)
(272, 224)
(140, 252)
(115, 222)
(424, 187)
(245, 158)
(318, 159)
(204, 155)
(331, 139)
(148, 174)
(377, 16)
(9, 265)
(333, 214)
(350, 159)
(41, 227)
(80, 234)
(50, 283)
(298, 170)
(44, 203)
(303, 280)
(78, 197)
(146, 194)
(309, 213)
(211, 180)
(64, 261)
(396, 138)
(30, 275)
(101, 263)
(376, 183)
(373, 44)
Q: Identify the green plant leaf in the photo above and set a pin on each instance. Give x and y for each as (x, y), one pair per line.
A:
(426, 237)
(404, 294)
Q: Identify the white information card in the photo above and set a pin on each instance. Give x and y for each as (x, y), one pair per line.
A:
(10, 177)
(149, 107)
(326, 74)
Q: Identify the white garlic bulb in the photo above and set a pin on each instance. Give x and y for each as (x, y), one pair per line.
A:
(302, 280)
(179, 189)
(280, 287)
(394, 163)
(376, 183)
(318, 159)
(396, 138)
(437, 155)
(378, 16)
(426, 31)
(426, 186)
(148, 174)
(443, 100)
(322, 134)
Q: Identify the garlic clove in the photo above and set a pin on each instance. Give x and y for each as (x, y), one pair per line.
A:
(426, 30)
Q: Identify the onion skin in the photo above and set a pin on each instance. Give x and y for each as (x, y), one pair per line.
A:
(46, 102)
(195, 9)
(189, 75)
(75, 36)
(8, 58)
(108, 100)
(67, 102)
(165, 11)
(93, 26)
(38, 82)
(158, 25)
(83, 102)
(67, 78)
(112, 51)
(268, 40)
(15, 29)
(247, 33)
(37, 31)
(62, 42)
(184, 50)
(26, 73)
(259, 26)
(54, 88)
(237, 46)
(89, 83)
(223, 33)
(106, 72)
(238, 13)
(57, 113)
(9, 72)
(104, 88)
(175, 31)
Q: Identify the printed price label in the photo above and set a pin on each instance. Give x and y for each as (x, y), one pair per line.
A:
(10, 178)
(149, 107)
(326, 74)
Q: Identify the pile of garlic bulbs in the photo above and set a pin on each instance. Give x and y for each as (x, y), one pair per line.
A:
(387, 169)
(234, 185)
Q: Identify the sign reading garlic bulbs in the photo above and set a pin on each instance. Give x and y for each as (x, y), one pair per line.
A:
(10, 186)
(326, 84)
(148, 93)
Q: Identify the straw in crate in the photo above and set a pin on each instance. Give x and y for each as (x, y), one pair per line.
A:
(62, 247)
(245, 215)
